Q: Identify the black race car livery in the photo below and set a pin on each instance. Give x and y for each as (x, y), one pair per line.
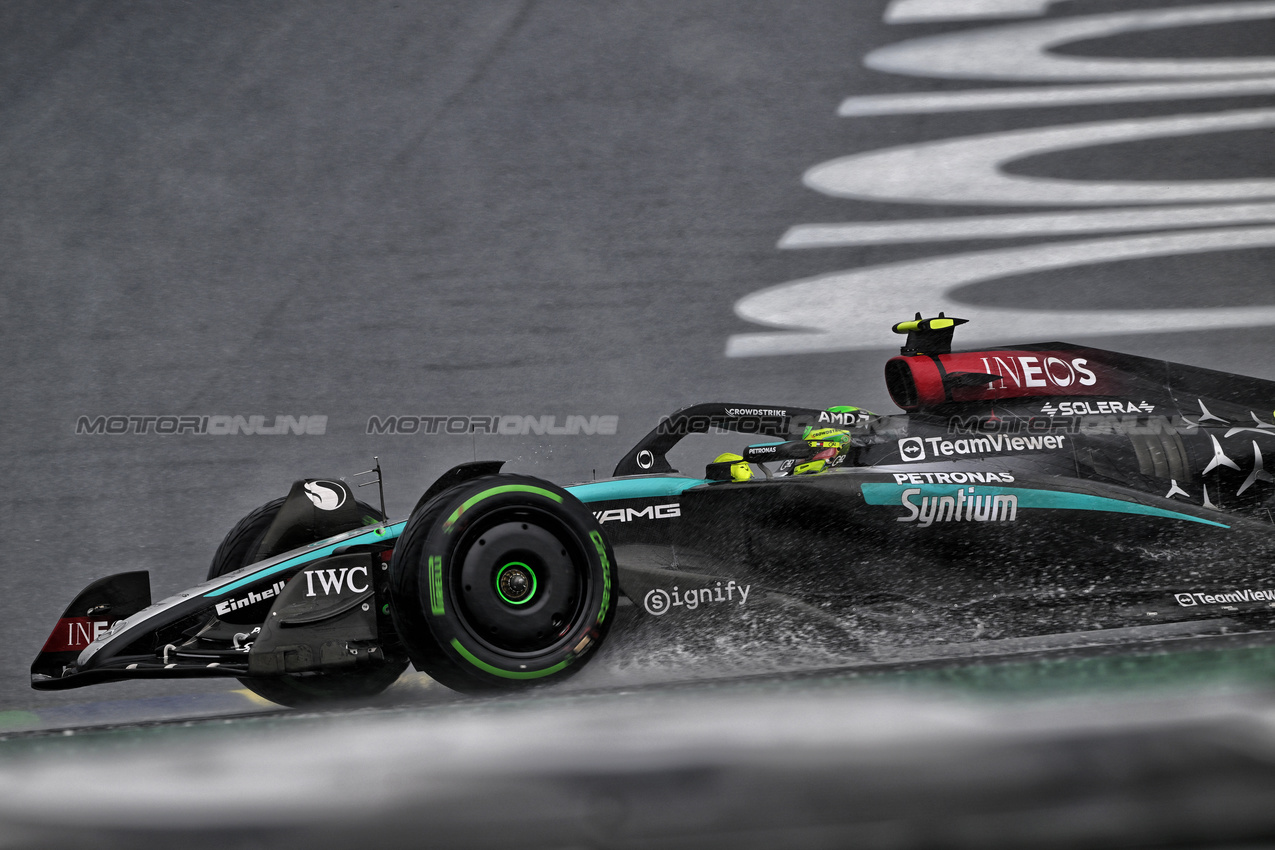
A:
(1026, 493)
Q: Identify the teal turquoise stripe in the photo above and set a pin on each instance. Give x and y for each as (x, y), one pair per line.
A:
(1058, 500)
(633, 488)
(379, 535)
(600, 491)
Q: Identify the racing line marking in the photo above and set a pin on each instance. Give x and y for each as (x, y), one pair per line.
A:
(1018, 226)
(885, 291)
(1021, 51)
(918, 11)
(969, 170)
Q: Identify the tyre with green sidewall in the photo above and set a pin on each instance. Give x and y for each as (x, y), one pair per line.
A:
(502, 583)
(298, 691)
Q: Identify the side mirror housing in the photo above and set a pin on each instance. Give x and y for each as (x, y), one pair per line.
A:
(768, 452)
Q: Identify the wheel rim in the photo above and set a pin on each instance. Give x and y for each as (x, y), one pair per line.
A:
(521, 584)
(516, 583)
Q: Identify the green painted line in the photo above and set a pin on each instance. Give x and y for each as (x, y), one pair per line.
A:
(496, 491)
(1058, 500)
(18, 719)
(507, 674)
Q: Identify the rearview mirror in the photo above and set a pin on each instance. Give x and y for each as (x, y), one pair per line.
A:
(767, 452)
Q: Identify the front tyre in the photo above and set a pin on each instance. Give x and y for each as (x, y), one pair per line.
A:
(302, 690)
(501, 583)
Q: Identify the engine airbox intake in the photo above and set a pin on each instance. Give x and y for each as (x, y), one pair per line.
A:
(930, 380)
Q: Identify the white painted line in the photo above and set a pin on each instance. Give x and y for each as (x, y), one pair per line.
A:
(1043, 97)
(916, 11)
(1020, 51)
(967, 169)
(841, 234)
(849, 310)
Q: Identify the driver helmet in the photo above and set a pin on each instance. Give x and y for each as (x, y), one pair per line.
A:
(828, 443)
(835, 427)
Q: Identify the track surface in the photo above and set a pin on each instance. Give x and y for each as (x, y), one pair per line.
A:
(813, 762)
(555, 208)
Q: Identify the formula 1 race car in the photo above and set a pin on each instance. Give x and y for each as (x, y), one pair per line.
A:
(1029, 496)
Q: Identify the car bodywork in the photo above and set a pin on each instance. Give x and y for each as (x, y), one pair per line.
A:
(1041, 492)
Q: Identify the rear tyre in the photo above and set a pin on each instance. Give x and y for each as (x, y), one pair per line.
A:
(502, 583)
(299, 690)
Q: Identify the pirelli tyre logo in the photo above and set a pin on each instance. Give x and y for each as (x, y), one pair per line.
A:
(650, 512)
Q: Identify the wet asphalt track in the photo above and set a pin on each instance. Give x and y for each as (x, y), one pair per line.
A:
(507, 208)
